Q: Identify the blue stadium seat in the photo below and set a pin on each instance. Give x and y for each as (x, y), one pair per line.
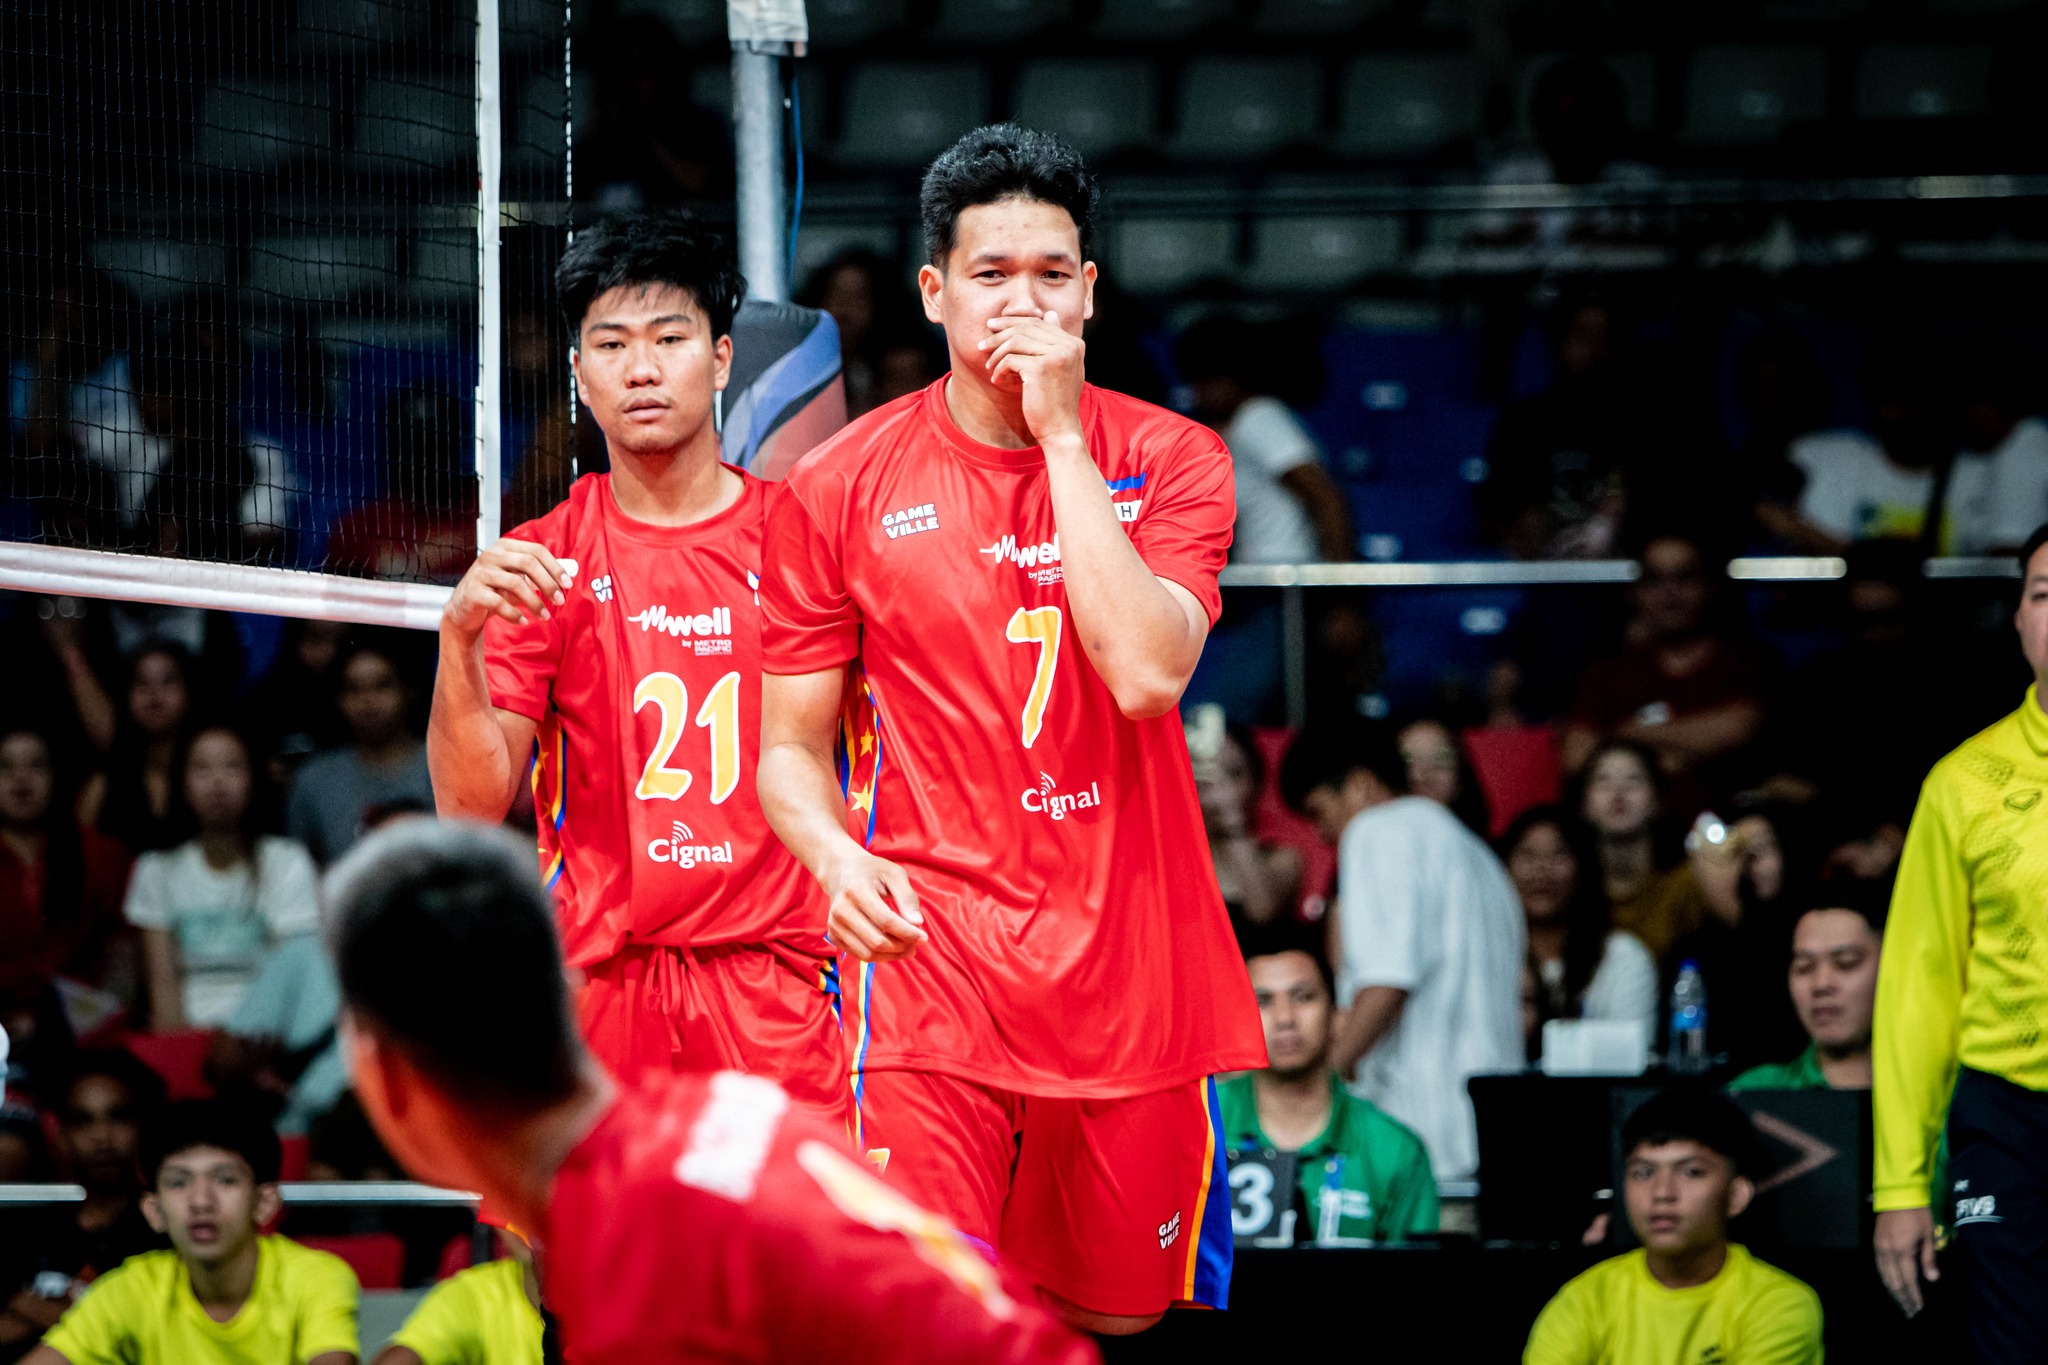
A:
(415, 124)
(1902, 81)
(1738, 95)
(842, 23)
(692, 21)
(1407, 105)
(898, 114)
(317, 270)
(1322, 253)
(1159, 20)
(1242, 108)
(997, 21)
(156, 270)
(1159, 255)
(1314, 16)
(1098, 106)
(261, 126)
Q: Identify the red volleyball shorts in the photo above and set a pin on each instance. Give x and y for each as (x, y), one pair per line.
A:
(765, 1008)
(1120, 1206)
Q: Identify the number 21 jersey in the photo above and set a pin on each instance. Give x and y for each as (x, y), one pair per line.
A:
(1078, 945)
(646, 687)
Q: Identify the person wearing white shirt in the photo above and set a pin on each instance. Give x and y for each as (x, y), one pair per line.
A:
(1428, 939)
(214, 907)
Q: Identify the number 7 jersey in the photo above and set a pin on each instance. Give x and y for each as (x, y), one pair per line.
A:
(1079, 946)
(646, 687)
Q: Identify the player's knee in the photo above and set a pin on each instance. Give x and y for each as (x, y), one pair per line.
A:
(1100, 1324)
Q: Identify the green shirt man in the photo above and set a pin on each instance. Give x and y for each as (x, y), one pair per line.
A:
(1364, 1178)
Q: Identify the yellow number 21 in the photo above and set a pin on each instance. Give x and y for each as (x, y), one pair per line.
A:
(1039, 626)
(720, 714)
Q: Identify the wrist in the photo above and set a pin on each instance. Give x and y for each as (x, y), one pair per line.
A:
(1067, 446)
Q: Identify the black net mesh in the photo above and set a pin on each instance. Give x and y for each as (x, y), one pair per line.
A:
(241, 292)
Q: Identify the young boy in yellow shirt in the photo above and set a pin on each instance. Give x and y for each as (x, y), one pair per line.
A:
(222, 1294)
(1687, 1294)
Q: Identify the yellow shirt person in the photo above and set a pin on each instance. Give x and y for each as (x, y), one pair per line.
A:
(143, 1312)
(481, 1316)
(1618, 1314)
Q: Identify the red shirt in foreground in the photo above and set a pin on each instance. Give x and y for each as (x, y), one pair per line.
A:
(647, 690)
(1078, 946)
(701, 1220)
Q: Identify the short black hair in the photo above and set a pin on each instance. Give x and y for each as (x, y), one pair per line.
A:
(1004, 161)
(661, 246)
(232, 1127)
(1870, 897)
(146, 1089)
(2034, 543)
(445, 942)
(1289, 935)
(1327, 752)
(1694, 1112)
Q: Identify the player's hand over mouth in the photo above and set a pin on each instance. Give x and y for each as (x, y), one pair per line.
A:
(873, 911)
(1038, 357)
(515, 580)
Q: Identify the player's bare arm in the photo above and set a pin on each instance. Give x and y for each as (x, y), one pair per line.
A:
(874, 912)
(475, 750)
(1143, 634)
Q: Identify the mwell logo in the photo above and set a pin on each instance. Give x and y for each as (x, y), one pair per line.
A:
(681, 848)
(1044, 799)
(712, 629)
(1024, 556)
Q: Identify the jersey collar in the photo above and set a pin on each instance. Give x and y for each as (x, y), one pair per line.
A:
(2033, 724)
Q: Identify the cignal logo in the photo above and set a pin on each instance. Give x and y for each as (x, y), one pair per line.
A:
(1047, 799)
(1041, 561)
(682, 849)
(710, 631)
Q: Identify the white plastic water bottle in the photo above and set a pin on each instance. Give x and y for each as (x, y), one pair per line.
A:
(1688, 1055)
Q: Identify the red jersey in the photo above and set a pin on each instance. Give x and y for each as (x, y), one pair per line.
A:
(647, 690)
(1078, 944)
(702, 1220)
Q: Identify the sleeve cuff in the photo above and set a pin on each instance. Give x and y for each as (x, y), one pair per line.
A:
(1892, 1198)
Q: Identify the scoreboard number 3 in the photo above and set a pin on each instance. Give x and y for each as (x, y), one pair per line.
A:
(720, 714)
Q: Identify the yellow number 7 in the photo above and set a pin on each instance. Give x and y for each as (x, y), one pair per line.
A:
(1039, 626)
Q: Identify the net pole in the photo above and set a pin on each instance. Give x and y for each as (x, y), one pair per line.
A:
(757, 141)
(490, 144)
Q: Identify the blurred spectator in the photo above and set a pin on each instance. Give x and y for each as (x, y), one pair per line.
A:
(1785, 397)
(653, 145)
(908, 357)
(219, 494)
(1428, 938)
(135, 798)
(1833, 981)
(292, 709)
(1690, 693)
(1578, 111)
(1748, 879)
(211, 908)
(1289, 509)
(1362, 1175)
(72, 407)
(1259, 880)
(1582, 967)
(489, 1314)
(107, 1103)
(1689, 1166)
(1120, 351)
(852, 288)
(1621, 800)
(224, 1292)
(1555, 486)
(1998, 492)
(61, 884)
(1440, 769)
(422, 528)
(1877, 486)
(280, 1048)
(383, 762)
(539, 438)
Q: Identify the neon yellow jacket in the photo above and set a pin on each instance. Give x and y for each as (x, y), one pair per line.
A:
(1964, 977)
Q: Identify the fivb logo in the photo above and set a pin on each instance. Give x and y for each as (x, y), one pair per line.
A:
(1044, 800)
(682, 849)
